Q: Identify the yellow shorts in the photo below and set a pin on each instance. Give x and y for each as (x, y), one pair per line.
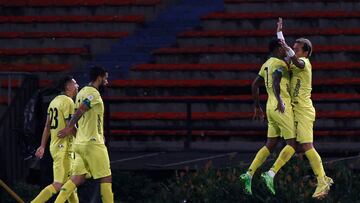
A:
(304, 122)
(61, 166)
(93, 159)
(281, 124)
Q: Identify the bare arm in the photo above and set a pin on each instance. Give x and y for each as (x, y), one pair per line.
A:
(258, 112)
(44, 139)
(276, 76)
(289, 52)
(74, 119)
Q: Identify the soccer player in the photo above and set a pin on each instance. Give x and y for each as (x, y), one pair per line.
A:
(304, 111)
(91, 154)
(58, 114)
(274, 74)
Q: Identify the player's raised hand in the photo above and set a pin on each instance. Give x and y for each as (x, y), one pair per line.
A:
(258, 114)
(279, 25)
(280, 107)
(40, 152)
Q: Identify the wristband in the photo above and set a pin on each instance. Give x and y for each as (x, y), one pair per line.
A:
(280, 35)
(290, 53)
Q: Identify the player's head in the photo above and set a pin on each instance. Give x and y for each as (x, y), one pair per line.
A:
(99, 76)
(276, 49)
(302, 48)
(68, 85)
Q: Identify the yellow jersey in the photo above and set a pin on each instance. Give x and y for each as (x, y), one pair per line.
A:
(59, 111)
(266, 71)
(301, 85)
(90, 125)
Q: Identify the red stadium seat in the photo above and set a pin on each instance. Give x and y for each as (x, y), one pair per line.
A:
(19, 3)
(34, 67)
(3, 100)
(261, 15)
(210, 133)
(217, 115)
(238, 50)
(12, 35)
(285, 1)
(217, 83)
(237, 66)
(17, 83)
(72, 19)
(39, 51)
(269, 33)
(240, 98)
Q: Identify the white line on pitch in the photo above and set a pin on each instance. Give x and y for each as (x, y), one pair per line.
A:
(136, 157)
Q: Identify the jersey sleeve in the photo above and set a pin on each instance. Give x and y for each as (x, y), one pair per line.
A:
(91, 99)
(261, 72)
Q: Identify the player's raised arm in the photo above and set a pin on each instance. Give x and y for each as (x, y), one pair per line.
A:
(289, 52)
(258, 112)
(44, 139)
(74, 119)
(276, 76)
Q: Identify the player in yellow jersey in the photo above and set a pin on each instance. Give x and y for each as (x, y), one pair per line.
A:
(91, 154)
(58, 114)
(274, 74)
(304, 111)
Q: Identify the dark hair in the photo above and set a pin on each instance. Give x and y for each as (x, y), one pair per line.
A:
(61, 85)
(96, 71)
(307, 46)
(274, 44)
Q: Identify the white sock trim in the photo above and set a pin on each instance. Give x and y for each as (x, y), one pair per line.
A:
(271, 173)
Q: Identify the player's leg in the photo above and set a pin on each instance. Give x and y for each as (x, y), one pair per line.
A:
(99, 166)
(272, 140)
(47, 193)
(323, 182)
(285, 155)
(79, 173)
(304, 129)
(107, 195)
(59, 173)
(260, 157)
(287, 128)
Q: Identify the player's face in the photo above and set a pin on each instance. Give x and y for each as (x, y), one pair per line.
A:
(104, 80)
(73, 87)
(298, 49)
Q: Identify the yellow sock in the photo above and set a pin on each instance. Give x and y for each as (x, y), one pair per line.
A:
(45, 194)
(285, 155)
(315, 162)
(73, 197)
(67, 189)
(107, 195)
(259, 159)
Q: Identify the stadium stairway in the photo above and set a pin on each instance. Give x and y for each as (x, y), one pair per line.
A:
(210, 68)
(178, 17)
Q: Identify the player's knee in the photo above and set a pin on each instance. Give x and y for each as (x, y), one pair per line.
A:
(107, 179)
(78, 180)
(57, 186)
(271, 144)
(306, 146)
(292, 143)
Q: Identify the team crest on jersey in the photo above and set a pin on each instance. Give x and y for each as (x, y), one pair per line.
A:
(90, 97)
